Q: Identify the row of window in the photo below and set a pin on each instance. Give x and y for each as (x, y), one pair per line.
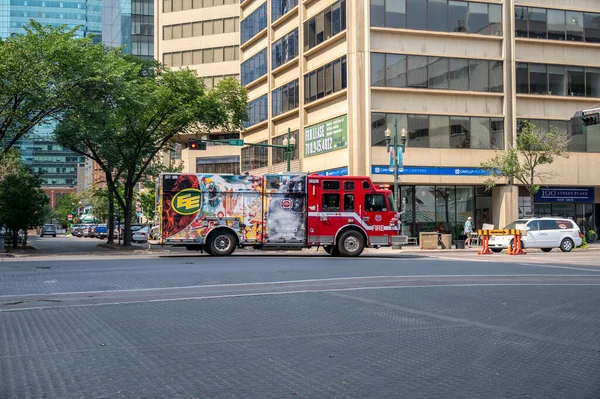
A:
(398, 70)
(438, 15)
(278, 154)
(285, 49)
(285, 98)
(254, 23)
(258, 111)
(433, 131)
(281, 7)
(541, 23)
(201, 56)
(587, 140)
(254, 157)
(181, 5)
(254, 67)
(218, 168)
(47, 4)
(558, 80)
(46, 14)
(328, 23)
(213, 81)
(328, 79)
(201, 28)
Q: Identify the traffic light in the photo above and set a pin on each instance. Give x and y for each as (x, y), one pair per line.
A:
(197, 145)
(591, 119)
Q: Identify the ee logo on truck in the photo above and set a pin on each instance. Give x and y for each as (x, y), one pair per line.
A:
(187, 202)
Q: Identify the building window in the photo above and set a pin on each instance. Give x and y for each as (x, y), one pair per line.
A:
(278, 154)
(285, 49)
(254, 157)
(281, 7)
(438, 15)
(196, 57)
(285, 98)
(580, 139)
(179, 5)
(433, 131)
(552, 24)
(254, 67)
(557, 80)
(258, 111)
(333, 73)
(218, 165)
(397, 70)
(328, 23)
(254, 23)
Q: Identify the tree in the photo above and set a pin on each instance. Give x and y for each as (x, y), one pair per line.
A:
(134, 115)
(23, 203)
(10, 163)
(522, 162)
(65, 206)
(39, 73)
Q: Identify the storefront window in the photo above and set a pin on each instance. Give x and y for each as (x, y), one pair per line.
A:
(445, 208)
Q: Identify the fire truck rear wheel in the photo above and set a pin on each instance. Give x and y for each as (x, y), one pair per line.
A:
(221, 243)
(351, 243)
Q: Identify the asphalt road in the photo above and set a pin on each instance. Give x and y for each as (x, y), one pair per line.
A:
(408, 326)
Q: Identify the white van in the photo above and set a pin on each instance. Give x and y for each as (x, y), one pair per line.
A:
(544, 233)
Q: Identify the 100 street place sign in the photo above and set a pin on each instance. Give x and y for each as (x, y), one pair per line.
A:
(327, 136)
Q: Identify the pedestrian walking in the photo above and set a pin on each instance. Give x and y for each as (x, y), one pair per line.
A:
(468, 230)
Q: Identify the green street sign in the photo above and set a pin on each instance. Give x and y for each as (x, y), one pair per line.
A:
(237, 142)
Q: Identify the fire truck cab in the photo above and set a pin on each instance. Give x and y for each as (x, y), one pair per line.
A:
(347, 214)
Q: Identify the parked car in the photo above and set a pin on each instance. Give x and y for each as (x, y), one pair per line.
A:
(544, 233)
(48, 230)
(90, 232)
(78, 229)
(141, 235)
(101, 231)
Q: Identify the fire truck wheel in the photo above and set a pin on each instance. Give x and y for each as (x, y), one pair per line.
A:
(221, 243)
(351, 243)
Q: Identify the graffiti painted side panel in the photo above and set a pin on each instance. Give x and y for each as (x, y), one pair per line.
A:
(212, 200)
(285, 203)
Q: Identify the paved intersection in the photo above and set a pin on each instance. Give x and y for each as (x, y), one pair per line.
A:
(253, 326)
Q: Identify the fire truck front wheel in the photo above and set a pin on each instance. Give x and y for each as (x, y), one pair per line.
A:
(351, 243)
(221, 243)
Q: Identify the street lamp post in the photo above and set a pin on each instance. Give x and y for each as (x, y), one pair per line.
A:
(395, 144)
(289, 143)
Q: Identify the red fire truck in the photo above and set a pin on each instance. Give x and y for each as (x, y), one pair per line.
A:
(218, 213)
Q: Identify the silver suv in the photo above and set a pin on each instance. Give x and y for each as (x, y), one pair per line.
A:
(544, 233)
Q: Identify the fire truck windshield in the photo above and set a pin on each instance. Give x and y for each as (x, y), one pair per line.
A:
(393, 206)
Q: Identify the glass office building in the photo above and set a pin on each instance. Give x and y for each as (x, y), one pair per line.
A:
(128, 23)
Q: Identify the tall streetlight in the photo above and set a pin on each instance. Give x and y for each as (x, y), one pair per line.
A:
(289, 143)
(396, 143)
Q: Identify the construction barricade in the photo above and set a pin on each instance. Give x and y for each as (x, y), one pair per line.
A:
(516, 249)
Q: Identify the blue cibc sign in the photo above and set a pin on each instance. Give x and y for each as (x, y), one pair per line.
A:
(334, 172)
(429, 170)
(565, 194)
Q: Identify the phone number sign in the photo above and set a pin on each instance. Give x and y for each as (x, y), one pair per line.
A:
(327, 136)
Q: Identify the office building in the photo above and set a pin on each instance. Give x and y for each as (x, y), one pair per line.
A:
(459, 76)
(202, 35)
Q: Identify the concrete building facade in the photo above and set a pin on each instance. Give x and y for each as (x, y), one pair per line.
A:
(459, 76)
(202, 35)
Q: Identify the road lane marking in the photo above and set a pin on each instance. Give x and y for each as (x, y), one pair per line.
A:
(406, 276)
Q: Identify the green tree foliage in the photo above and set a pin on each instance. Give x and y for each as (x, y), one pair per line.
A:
(10, 163)
(65, 205)
(521, 163)
(136, 112)
(40, 72)
(23, 203)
